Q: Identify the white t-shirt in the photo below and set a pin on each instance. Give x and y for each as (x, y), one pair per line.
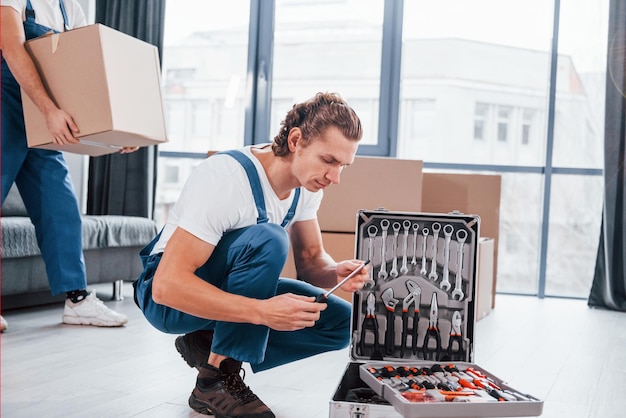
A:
(217, 198)
(48, 12)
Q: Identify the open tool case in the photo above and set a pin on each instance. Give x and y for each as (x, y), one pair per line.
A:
(413, 326)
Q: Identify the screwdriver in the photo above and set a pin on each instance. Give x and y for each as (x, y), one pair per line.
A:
(323, 298)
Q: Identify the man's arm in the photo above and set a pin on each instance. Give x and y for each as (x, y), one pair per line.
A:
(315, 265)
(175, 285)
(60, 123)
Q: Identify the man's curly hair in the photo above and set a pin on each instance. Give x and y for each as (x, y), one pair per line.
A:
(316, 115)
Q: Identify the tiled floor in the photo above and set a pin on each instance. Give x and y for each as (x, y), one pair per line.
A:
(561, 351)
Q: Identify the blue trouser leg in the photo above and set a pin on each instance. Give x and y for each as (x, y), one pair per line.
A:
(330, 332)
(248, 262)
(43, 181)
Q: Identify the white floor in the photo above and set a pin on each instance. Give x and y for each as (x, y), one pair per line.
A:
(571, 356)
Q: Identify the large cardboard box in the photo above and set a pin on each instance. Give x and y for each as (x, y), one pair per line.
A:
(371, 183)
(484, 277)
(108, 81)
(470, 194)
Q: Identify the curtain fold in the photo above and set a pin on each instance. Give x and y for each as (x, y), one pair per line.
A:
(609, 284)
(124, 184)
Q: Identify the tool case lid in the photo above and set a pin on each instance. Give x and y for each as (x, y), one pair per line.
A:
(408, 242)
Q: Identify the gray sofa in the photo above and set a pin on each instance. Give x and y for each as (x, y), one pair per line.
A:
(111, 246)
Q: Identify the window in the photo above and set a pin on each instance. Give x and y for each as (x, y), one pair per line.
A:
(504, 118)
(480, 120)
(527, 123)
(329, 46)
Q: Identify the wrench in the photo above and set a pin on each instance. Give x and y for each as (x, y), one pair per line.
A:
(461, 236)
(394, 249)
(424, 271)
(372, 231)
(406, 224)
(447, 233)
(382, 274)
(416, 227)
(390, 305)
(436, 227)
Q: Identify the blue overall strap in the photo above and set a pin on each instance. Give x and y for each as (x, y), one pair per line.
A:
(257, 189)
(30, 13)
(66, 22)
(292, 209)
(255, 183)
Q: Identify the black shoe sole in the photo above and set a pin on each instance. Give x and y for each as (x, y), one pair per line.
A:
(185, 352)
(202, 407)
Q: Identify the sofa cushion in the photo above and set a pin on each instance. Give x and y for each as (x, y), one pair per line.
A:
(13, 205)
(104, 231)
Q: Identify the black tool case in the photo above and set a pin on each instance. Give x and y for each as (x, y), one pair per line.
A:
(413, 327)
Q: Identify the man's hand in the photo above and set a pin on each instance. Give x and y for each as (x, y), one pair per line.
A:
(344, 268)
(289, 312)
(62, 127)
(128, 150)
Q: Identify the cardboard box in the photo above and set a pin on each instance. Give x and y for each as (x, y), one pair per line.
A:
(484, 277)
(340, 246)
(470, 194)
(108, 81)
(371, 183)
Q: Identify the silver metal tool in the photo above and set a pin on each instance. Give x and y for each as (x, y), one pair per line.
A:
(447, 234)
(324, 296)
(405, 243)
(372, 231)
(436, 227)
(424, 270)
(416, 228)
(461, 236)
(382, 273)
(394, 249)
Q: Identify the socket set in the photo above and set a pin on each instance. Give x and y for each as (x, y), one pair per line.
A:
(417, 314)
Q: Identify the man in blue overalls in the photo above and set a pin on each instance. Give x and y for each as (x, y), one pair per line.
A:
(212, 274)
(40, 175)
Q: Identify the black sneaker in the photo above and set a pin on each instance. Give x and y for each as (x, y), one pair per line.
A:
(222, 393)
(195, 347)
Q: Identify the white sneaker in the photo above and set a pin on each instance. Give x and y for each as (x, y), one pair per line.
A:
(91, 311)
(3, 324)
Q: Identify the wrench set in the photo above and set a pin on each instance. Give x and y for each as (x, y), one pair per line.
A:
(422, 268)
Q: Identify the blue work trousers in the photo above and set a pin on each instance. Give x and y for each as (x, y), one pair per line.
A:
(44, 183)
(248, 262)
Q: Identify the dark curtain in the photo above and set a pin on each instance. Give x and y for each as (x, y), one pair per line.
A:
(124, 184)
(609, 283)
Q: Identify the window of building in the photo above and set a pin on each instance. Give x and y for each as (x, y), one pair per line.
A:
(480, 120)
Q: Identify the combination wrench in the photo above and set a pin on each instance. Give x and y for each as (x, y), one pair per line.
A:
(406, 225)
(416, 228)
(436, 227)
(424, 271)
(372, 231)
(394, 250)
(382, 273)
(461, 236)
(447, 233)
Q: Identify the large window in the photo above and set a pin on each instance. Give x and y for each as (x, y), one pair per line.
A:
(463, 85)
(329, 46)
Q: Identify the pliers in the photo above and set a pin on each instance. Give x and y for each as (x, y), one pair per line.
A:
(456, 337)
(390, 305)
(432, 332)
(414, 297)
(370, 323)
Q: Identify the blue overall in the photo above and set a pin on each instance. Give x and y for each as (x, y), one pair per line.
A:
(44, 183)
(248, 262)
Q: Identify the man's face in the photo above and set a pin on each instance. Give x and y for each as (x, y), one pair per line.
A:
(319, 164)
